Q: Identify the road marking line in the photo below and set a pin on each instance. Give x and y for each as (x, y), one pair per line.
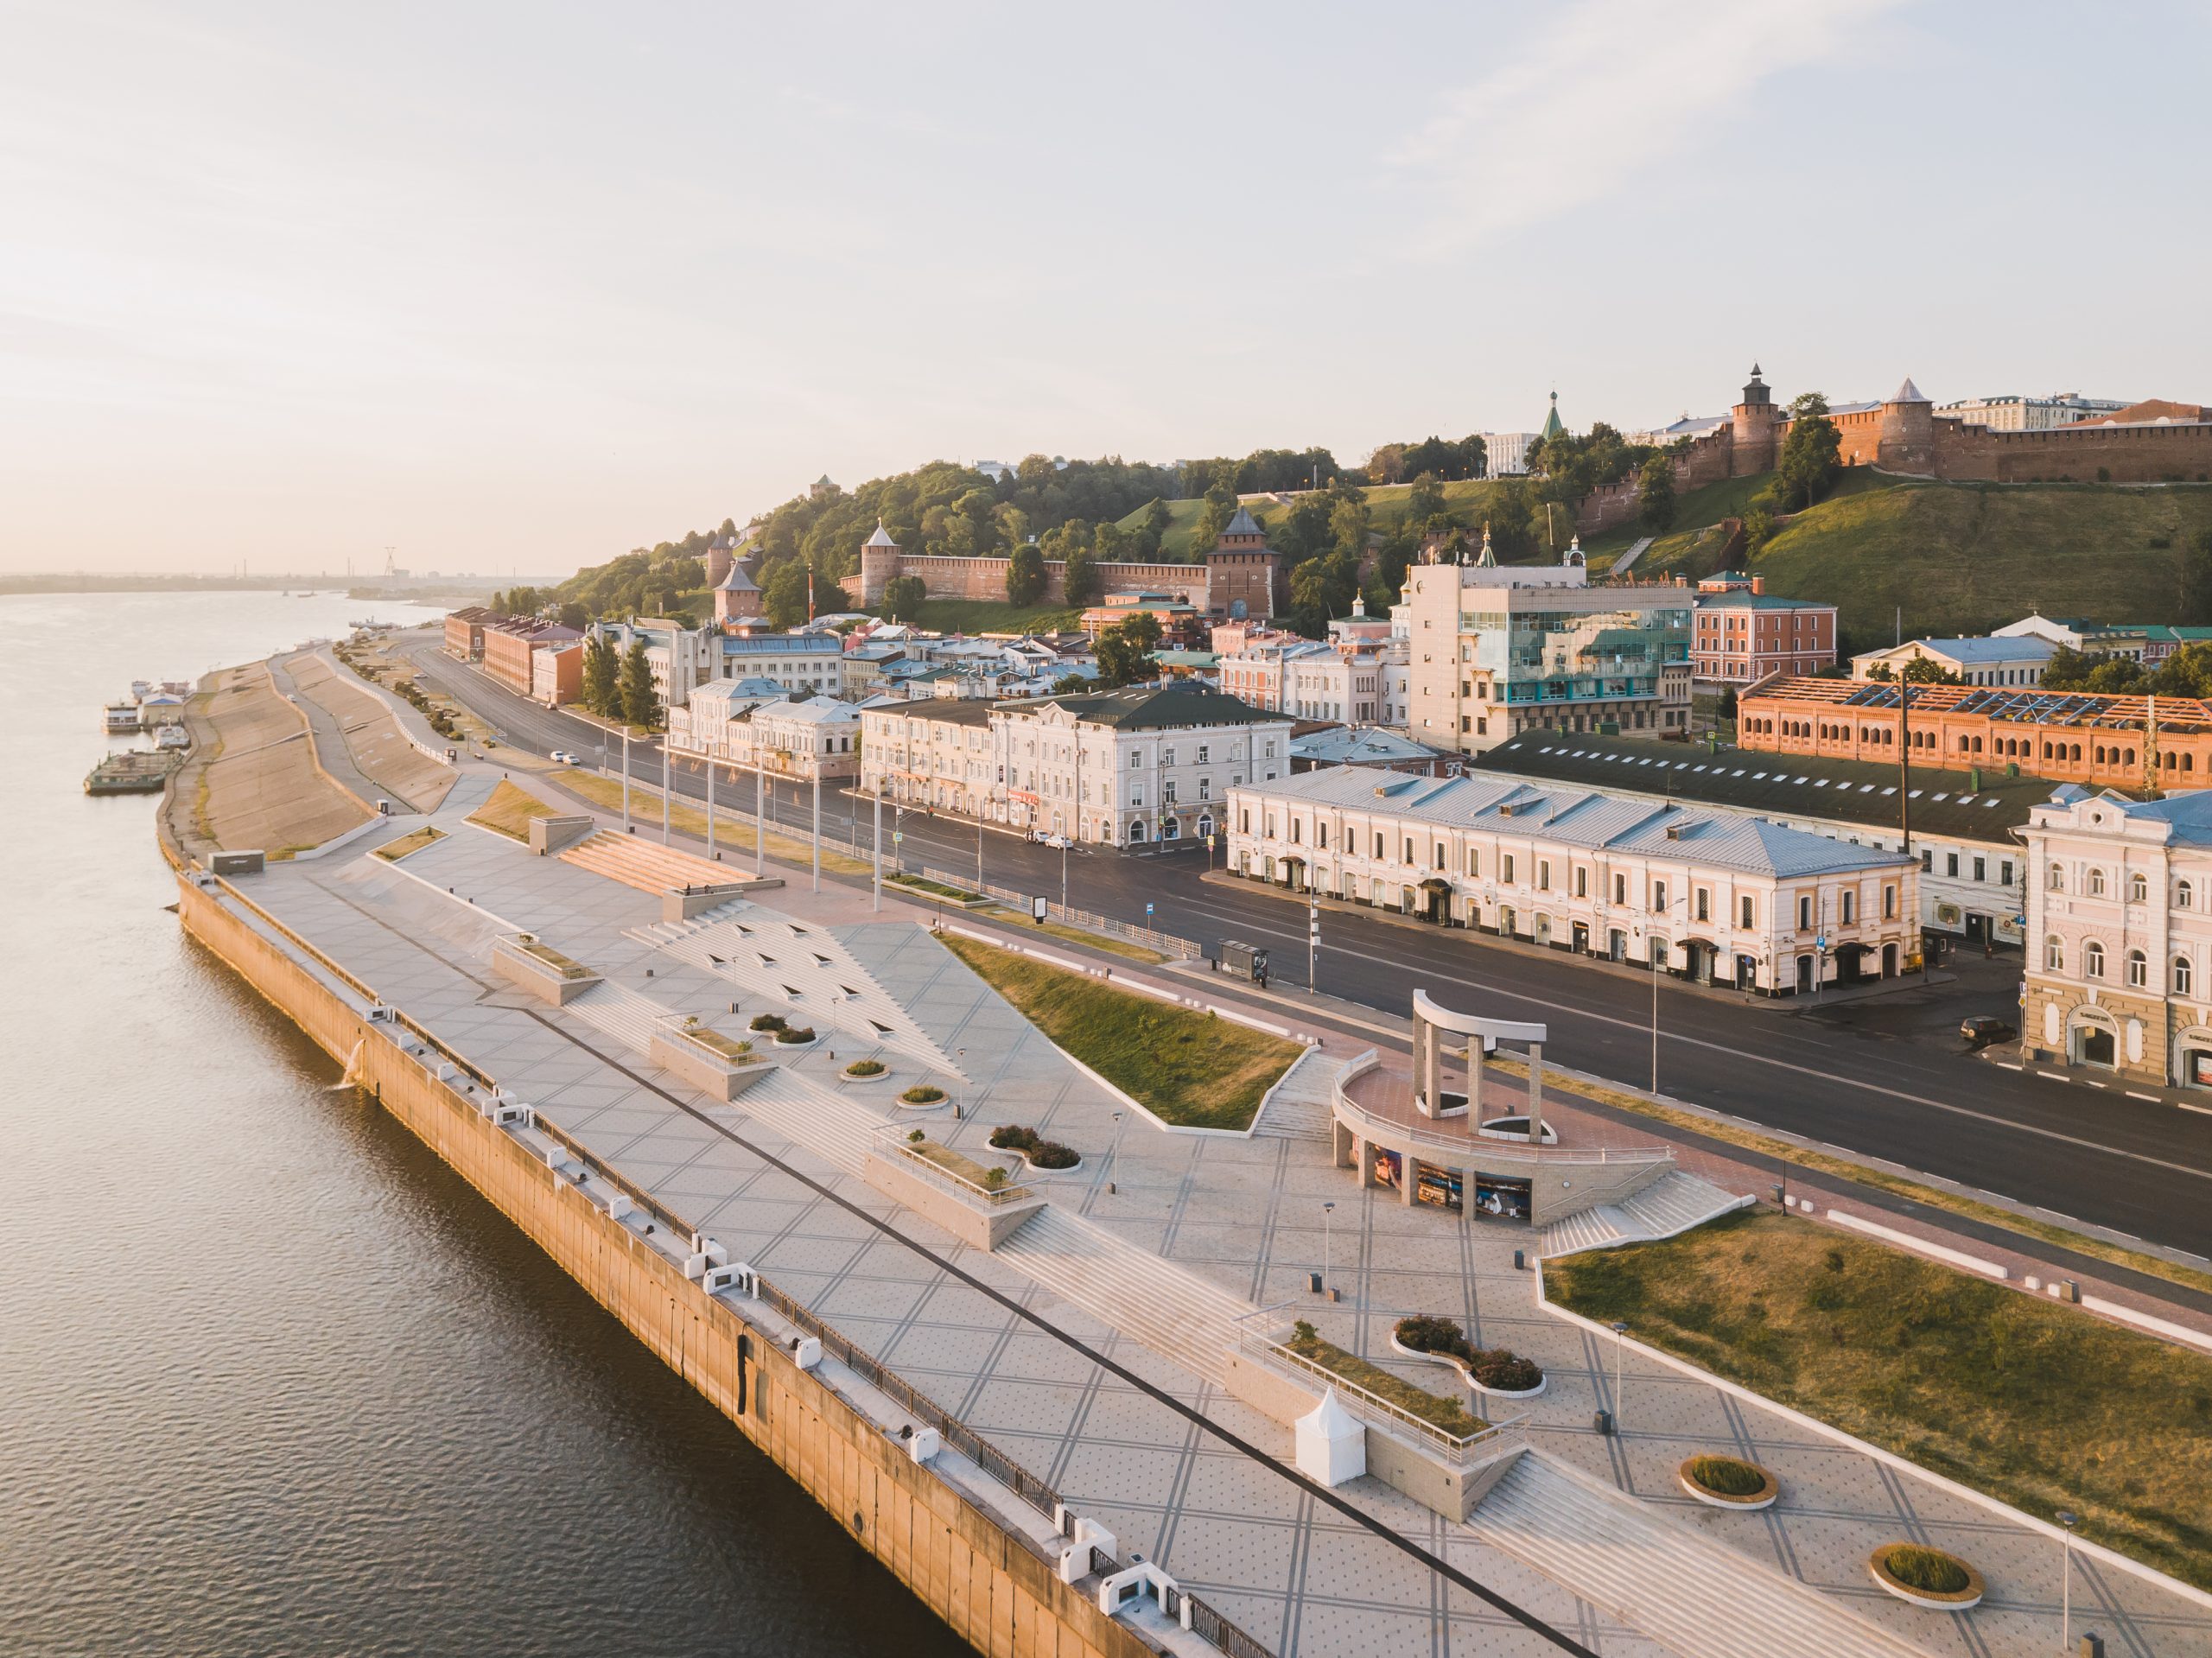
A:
(2153, 1098)
(2053, 1076)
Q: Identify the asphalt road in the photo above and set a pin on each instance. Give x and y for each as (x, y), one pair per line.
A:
(1884, 1077)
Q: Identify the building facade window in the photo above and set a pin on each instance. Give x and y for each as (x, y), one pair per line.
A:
(2053, 954)
(2092, 960)
(2185, 976)
(2139, 971)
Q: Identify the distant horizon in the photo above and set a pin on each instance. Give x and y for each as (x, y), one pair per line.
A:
(528, 289)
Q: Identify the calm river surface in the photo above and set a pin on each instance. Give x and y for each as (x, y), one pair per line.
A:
(272, 1378)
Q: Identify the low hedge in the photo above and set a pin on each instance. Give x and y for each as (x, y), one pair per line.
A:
(1494, 1367)
(794, 1035)
(923, 1094)
(1045, 1153)
(1929, 1570)
(768, 1021)
(865, 1068)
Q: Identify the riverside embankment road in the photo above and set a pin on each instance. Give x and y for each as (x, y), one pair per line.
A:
(1884, 1078)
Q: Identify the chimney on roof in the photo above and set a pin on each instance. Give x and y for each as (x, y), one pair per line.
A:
(1758, 584)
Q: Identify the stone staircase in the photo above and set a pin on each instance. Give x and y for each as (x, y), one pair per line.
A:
(834, 1129)
(1626, 561)
(646, 864)
(1299, 1107)
(1673, 1203)
(622, 1013)
(1177, 1314)
(1692, 1594)
(803, 969)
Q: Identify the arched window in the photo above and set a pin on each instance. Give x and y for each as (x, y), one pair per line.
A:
(2096, 883)
(2183, 893)
(2183, 976)
(2057, 879)
(2139, 969)
(2053, 954)
(2092, 960)
(2139, 889)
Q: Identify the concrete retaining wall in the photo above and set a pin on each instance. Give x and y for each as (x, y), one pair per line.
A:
(995, 1588)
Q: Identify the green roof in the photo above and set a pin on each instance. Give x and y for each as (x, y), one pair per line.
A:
(1145, 707)
(1552, 426)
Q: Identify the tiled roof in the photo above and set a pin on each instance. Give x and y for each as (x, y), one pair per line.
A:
(1582, 817)
(1244, 524)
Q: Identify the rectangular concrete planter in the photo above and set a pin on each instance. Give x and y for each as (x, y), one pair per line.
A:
(978, 1224)
(704, 1069)
(552, 835)
(541, 978)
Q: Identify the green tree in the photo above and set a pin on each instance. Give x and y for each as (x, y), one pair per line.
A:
(1069, 684)
(2188, 672)
(1425, 504)
(1125, 650)
(1080, 576)
(1024, 575)
(1811, 457)
(600, 694)
(1758, 529)
(1923, 670)
(573, 614)
(904, 595)
(640, 703)
(1806, 404)
(1348, 527)
(1655, 495)
(782, 596)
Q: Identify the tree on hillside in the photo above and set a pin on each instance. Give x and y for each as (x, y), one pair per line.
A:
(1125, 650)
(600, 694)
(1080, 576)
(1024, 575)
(1320, 588)
(1758, 529)
(1655, 495)
(1213, 518)
(903, 597)
(1811, 456)
(573, 615)
(1425, 506)
(782, 596)
(1806, 404)
(2195, 595)
(1150, 529)
(1348, 526)
(640, 702)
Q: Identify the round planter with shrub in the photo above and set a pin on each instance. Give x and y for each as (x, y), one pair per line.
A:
(1497, 1372)
(1043, 1155)
(1728, 1483)
(795, 1036)
(866, 1070)
(1500, 1373)
(922, 1094)
(1926, 1576)
(768, 1021)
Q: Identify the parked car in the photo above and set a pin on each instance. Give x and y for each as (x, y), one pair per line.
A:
(572, 760)
(562, 757)
(1980, 1032)
(1057, 843)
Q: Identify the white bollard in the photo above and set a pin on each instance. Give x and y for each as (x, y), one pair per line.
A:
(926, 1443)
(806, 1352)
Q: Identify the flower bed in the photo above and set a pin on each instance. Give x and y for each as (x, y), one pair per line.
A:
(1497, 1371)
(1728, 1483)
(1434, 1408)
(795, 1036)
(1036, 1151)
(728, 1047)
(922, 1094)
(987, 1177)
(1926, 1576)
(866, 1070)
(768, 1022)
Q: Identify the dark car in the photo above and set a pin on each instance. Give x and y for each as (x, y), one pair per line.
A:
(1980, 1032)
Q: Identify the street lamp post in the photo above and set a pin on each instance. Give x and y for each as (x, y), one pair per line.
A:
(759, 809)
(875, 898)
(1620, 1334)
(817, 823)
(666, 789)
(1064, 877)
(1327, 1210)
(626, 778)
(1313, 944)
(707, 765)
(2068, 1521)
(1114, 1157)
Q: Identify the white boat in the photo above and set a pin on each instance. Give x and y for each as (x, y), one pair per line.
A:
(172, 737)
(120, 718)
(142, 688)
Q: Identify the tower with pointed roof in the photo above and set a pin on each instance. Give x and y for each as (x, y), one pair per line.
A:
(737, 596)
(1908, 442)
(1754, 432)
(1243, 573)
(879, 563)
(1552, 426)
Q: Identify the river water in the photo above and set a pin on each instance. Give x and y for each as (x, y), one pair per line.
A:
(272, 1378)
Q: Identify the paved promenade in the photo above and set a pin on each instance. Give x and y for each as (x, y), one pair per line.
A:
(1085, 1353)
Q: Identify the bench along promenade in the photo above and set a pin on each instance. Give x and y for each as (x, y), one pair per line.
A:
(1152, 1399)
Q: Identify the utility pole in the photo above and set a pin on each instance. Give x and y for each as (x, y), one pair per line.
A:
(875, 900)
(817, 823)
(625, 776)
(667, 788)
(710, 806)
(760, 810)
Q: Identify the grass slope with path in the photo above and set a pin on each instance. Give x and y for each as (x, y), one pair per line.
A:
(509, 809)
(994, 616)
(2036, 1403)
(1195, 1070)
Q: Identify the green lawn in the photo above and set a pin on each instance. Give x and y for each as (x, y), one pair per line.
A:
(1958, 557)
(987, 616)
(393, 851)
(1193, 1068)
(2032, 1401)
(1386, 506)
(509, 809)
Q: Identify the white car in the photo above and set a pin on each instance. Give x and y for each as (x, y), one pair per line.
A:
(559, 756)
(572, 760)
(1057, 843)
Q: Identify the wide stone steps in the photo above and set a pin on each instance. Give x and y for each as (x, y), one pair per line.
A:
(834, 1129)
(1692, 1594)
(622, 1013)
(1673, 1203)
(644, 865)
(1300, 1107)
(1177, 1314)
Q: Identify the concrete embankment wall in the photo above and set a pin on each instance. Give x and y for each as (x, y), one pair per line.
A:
(992, 1585)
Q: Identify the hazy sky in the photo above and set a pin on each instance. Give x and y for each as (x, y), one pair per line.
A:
(524, 285)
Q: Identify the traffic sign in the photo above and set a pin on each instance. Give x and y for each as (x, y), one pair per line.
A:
(897, 835)
(1822, 942)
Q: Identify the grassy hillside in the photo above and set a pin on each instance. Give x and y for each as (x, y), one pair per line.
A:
(1386, 506)
(985, 616)
(1957, 557)
(1698, 510)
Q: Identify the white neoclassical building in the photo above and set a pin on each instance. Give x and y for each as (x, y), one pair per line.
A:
(753, 723)
(1120, 768)
(1710, 896)
(2119, 935)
